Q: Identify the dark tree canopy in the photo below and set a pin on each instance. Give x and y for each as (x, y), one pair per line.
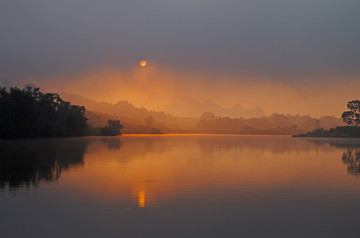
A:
(113, 128)
(352, 117)
(29, 113)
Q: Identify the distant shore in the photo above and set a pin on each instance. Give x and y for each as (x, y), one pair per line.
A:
(337, 132)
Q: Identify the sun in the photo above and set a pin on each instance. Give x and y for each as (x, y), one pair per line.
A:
(142, 63)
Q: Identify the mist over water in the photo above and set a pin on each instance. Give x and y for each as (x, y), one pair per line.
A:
(176, 186)
(160, 70)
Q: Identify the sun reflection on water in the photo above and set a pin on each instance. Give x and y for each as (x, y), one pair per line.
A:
(141, 199)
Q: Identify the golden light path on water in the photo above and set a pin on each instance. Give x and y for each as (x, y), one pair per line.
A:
(162, 167)
(176, 185)
(141, 200)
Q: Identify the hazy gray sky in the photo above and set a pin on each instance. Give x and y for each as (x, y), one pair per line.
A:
(288, 56)
(272, 37)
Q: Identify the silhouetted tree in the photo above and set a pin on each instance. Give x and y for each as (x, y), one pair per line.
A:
(29, 113)
(113, 128)
(352, 117)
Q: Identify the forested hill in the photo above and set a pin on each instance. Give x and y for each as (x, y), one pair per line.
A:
(141, 120)
(29, 113)
(121, 108)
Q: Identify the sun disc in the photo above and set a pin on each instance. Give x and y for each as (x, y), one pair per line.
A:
(142, 63)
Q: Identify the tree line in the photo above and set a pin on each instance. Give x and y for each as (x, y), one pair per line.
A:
(30, 113)
(350, 117)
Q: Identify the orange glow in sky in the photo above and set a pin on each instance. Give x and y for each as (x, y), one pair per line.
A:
(156, 88)
(142, 63)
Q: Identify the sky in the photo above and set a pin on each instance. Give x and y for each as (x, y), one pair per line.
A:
(287, 56)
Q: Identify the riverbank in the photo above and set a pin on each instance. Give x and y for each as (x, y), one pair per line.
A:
(338, 132)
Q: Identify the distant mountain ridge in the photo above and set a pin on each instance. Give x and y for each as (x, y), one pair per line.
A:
(136, 120)
(121, 108)
(194, 108)
(234, 120)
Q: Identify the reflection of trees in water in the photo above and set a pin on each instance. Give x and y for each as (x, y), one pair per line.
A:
(140, 146)
(112, 143)
(352, 159)
(259, 144)
(27, 162)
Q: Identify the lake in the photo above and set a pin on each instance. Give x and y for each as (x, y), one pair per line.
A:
(180, 186)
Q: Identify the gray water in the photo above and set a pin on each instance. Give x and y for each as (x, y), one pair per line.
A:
(180, 186)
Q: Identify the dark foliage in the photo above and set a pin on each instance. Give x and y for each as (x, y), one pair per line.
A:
(29, 113)
(340, 131)
(352, 117)
(112, 129)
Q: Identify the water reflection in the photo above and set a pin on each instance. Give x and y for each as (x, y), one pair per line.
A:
(112, 143)
(259, 144)
(141, 199)
(168, 166)
(352, 159)
(25, 163)
(206, 186)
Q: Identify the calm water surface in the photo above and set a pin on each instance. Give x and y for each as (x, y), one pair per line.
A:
(180, 186)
